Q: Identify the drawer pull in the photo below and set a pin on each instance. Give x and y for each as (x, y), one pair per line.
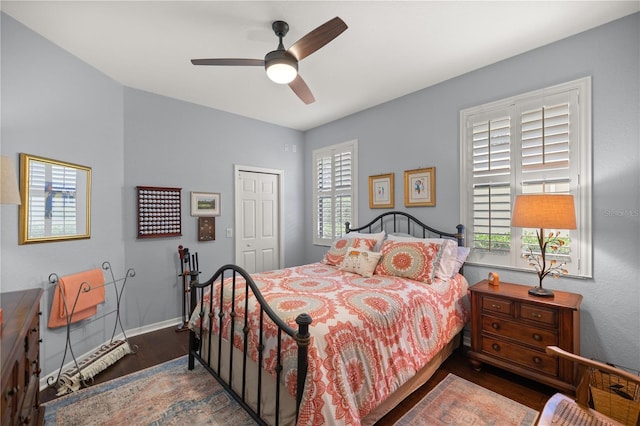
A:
(496, 306)
(536, 315)
(537, 337)
(496, 347)
(537, 360)
(495, 326)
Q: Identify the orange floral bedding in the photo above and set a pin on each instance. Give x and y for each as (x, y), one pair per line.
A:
(368, 336)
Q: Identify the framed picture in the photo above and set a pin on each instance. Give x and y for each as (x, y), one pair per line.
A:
(56, 200)
(206, 228)
(381, 191)
(420, 187)
(205, 204)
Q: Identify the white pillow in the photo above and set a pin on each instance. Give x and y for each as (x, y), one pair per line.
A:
(362, 262)
(378, 236)
(462, 253)
(446, 267)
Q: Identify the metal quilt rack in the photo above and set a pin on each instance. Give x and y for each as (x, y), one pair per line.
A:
(82, 372)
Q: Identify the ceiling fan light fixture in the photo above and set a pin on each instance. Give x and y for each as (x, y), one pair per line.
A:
(281, 66)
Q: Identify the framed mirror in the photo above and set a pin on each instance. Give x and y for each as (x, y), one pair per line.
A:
(56, 200)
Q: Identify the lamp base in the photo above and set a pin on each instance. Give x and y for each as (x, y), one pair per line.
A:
(540, 292)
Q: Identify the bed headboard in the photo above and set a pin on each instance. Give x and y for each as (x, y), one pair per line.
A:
(401, 222)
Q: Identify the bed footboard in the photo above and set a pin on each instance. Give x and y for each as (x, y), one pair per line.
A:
(229, 281)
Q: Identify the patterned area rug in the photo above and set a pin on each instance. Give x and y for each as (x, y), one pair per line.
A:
(456, 401)
(167, 394)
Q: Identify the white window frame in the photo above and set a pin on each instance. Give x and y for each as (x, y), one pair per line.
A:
(331, 151)
(580, 171)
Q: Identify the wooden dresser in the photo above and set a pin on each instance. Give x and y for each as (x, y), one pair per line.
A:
(20, 342)
(510, 330)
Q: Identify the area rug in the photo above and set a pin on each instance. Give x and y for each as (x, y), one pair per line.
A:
(167, 394)
(456, 401)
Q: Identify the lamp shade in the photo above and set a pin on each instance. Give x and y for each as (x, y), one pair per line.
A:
(545, 211)
(9, 192)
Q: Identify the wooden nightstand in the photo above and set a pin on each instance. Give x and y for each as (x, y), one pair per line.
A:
(510, 330)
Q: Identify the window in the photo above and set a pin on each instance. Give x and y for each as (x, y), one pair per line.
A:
(334, 190)
(539, 142)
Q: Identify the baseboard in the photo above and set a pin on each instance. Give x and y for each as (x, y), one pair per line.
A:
(130, 333)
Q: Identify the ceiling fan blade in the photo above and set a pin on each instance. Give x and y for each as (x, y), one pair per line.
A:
(229, 61)
(301, 89)
(317, 38)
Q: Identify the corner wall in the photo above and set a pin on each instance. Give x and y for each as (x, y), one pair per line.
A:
(56, 106)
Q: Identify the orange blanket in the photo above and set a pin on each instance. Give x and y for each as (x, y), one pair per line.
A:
(74, 286)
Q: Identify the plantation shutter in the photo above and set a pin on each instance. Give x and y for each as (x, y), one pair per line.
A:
(334, 191)
(539, 142)
(491, 164)
(546, 160)
(324, 205)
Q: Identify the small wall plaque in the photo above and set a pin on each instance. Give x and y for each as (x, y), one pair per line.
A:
(206, 228)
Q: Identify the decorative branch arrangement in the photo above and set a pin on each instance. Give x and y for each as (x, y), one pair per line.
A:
(539, 261)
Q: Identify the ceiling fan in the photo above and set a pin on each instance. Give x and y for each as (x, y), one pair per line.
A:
(282, 65)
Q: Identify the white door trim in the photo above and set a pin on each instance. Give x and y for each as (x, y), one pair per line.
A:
(280, 173)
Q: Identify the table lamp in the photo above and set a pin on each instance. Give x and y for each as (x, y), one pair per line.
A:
(544, 211)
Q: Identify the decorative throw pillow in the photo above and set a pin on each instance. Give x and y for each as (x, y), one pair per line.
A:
(446, 265)
(413, 260)
(362, 262)
(378, 236)
(338, 250)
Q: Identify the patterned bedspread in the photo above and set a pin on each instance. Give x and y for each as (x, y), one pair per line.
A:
(368, 336)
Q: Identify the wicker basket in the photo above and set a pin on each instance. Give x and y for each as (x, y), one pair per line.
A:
(615, 397)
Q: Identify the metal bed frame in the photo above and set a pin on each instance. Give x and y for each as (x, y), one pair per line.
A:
(394, 221)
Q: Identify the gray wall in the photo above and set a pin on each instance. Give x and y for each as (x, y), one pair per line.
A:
(55, 106)
(421, 130)
(170, 143)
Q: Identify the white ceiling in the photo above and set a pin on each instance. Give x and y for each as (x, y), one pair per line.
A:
(390, 49)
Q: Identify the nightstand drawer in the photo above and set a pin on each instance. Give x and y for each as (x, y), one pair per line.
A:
(502, 306)
(536, 313)
(529, 358)
(521, 333)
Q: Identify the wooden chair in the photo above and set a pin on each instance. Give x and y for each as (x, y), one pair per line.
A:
(605, 395)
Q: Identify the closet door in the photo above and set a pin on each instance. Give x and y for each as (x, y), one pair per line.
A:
(257, 221)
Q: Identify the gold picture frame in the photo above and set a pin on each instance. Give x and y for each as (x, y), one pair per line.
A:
(381, 194)
(55, 200)
(420, 187)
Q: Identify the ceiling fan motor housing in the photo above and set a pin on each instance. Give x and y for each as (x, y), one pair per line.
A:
(281, 66)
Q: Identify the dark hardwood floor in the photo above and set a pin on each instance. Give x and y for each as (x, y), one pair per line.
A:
(153, 348)
(166, 344)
